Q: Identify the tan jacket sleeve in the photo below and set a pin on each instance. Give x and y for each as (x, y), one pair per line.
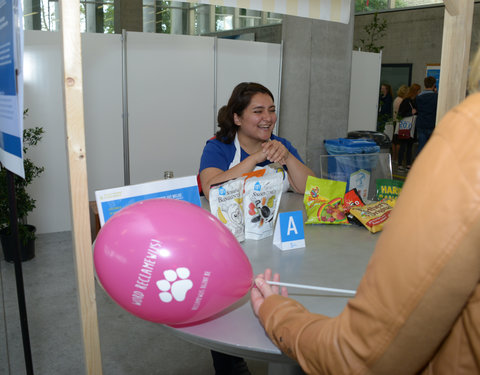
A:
(422, 279)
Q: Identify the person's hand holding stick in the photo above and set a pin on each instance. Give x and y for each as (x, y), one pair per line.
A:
(262, 289)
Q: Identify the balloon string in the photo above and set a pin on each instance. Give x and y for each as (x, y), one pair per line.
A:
(302, 286)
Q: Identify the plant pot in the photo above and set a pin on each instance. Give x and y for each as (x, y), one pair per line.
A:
(27, 251)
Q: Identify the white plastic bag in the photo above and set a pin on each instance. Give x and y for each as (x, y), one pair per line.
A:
(260, 203)
(226, 203)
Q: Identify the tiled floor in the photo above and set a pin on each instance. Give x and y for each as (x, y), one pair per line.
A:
(399, 173)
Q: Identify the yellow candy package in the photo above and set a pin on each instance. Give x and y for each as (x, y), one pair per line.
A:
(373, 216)
(323, 201)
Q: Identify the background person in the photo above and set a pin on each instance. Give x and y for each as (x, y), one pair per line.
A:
(385, 106)
(245, 141)
(401, 94)
(427, 111)
(417, 308)
(407, 108)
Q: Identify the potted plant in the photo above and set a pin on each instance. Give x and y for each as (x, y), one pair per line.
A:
(25, 203)
(375, 31)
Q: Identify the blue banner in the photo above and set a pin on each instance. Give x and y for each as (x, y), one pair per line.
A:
(7, 49)
(11, 86)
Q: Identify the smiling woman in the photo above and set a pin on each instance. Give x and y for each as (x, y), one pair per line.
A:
(245, 141)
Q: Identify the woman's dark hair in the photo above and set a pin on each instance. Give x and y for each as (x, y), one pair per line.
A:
(239, 100)
(389, 88)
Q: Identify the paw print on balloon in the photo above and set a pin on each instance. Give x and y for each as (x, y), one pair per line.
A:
(175, 285)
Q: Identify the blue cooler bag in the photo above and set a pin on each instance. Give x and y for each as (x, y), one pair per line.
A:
(352, 161)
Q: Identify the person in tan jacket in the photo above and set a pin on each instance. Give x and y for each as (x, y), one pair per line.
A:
(417, 307)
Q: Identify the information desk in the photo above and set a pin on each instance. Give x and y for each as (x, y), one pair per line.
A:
(335, 256)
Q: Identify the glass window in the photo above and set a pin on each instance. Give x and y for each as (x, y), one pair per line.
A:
(176, 17)
(224, 18)
(272, 18)
(179, 17)
(157, 15)
(41, 15)
(95, 16)
(364, 6)
(250, 18)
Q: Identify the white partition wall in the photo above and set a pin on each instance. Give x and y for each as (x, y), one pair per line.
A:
(103, 121)
(102, 88)
(172, 81)
(44, 99)
(244, 61)
(170, 103)
(364, 90)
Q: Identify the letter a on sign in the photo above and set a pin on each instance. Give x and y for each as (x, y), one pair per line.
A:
(289, 232)
(291, 226)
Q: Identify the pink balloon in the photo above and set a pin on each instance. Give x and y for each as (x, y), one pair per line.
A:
(170, 262)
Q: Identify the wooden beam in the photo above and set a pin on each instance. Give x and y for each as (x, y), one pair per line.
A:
(457, 34)
(74, 120)
(451, 6)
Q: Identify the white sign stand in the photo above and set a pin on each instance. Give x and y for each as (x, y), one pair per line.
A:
(289, 233)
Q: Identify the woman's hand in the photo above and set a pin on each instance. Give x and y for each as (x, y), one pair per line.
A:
(210, 176)
(275, 152)
(260, 156)
(262, 289)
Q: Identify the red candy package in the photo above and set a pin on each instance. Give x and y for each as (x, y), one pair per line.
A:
(352, 199)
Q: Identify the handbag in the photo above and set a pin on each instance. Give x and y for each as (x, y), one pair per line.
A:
(406, 126)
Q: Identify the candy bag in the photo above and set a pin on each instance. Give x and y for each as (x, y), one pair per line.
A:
(270, 169)
(261, 200)
(388, 189)
(352, 199)
(226, 203)
(323, 201)
(278, 168)
(373, 216)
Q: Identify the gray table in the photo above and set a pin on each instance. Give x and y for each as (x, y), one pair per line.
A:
(335, 256)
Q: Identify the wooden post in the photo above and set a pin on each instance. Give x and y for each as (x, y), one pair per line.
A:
(73, 96)
(451, 7)
(457, 34)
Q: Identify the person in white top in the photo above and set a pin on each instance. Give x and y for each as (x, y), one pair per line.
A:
(401, 94)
